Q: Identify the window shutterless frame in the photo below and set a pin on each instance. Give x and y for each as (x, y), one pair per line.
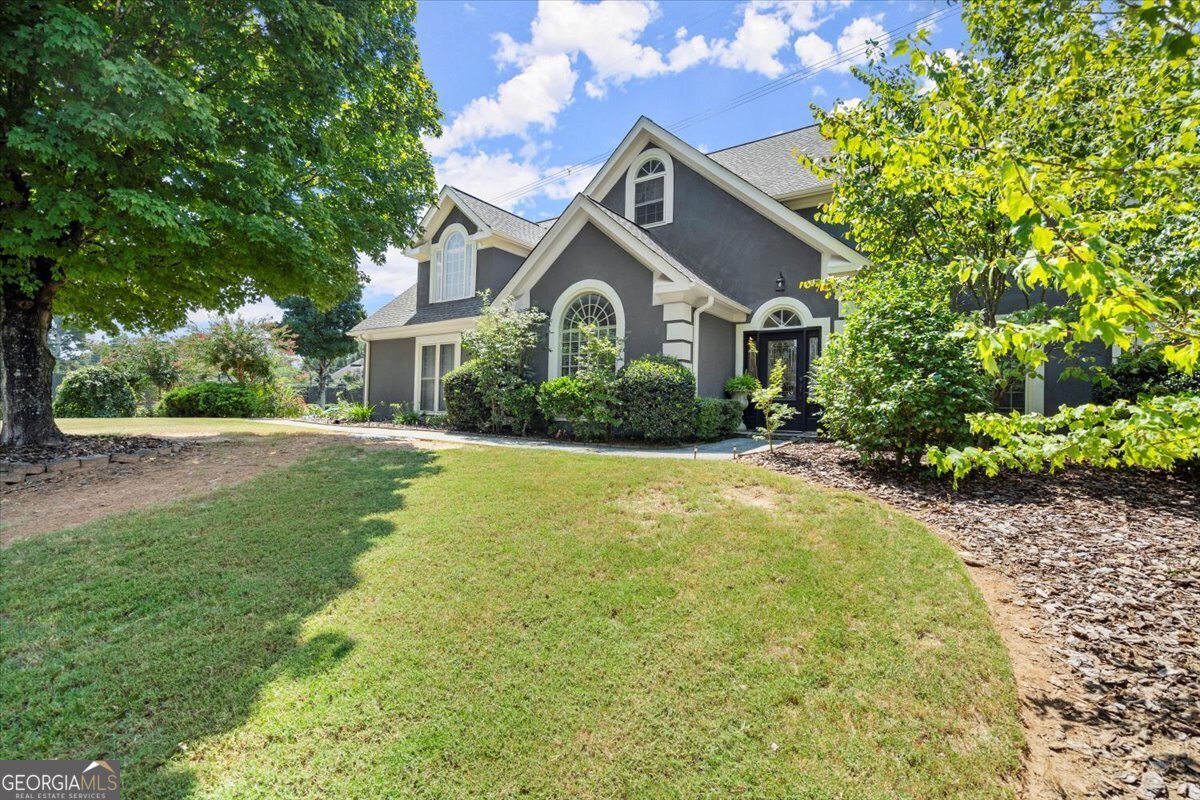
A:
(434, 356)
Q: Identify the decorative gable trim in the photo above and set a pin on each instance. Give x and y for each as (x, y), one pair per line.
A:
(484, 236)
(670, 285)
(646, 131)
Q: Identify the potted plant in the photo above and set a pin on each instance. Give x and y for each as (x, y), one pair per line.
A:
(740, 388)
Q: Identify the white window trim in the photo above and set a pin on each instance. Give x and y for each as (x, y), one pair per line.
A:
(570, 295)
(807, 320)
(437, 341)
(668, 185)
(435, 264)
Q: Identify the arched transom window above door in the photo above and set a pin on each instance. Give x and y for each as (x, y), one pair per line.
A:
(650, 189)
(782, 318)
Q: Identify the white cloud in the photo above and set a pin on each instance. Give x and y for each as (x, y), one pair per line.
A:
(263, 309)
(755, 44)
(803, 15)
(394, 275)
(487, 175)
(570, 185)
(533, 97)
(812, 50)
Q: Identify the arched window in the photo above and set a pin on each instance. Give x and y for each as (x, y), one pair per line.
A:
(590, 309)
(783, 318)
(649, 189)
(452, 276)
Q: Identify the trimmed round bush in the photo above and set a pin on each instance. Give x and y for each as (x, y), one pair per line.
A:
(717, 418)
(657, 396)
(211, 399)
(562, 399)
(465, 407)
(95, 392)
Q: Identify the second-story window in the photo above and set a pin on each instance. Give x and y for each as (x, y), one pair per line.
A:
(649, 189)
(649, 193)
(452, 272)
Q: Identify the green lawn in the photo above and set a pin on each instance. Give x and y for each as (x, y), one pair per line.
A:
(171, 426)
(479, 622)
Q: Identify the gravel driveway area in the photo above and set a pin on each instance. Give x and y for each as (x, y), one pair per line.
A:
(1107, 566)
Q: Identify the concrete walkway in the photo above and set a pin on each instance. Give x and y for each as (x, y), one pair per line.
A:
(716, 451)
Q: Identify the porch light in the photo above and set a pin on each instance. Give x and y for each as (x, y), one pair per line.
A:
(779, 282)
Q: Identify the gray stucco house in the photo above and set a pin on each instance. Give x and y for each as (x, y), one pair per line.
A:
(669, 249)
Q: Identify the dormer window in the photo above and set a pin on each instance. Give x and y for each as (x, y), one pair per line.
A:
(649, 189)
(452, 266)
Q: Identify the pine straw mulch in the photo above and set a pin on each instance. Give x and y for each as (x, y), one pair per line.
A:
(76, 446)
(1109, 565)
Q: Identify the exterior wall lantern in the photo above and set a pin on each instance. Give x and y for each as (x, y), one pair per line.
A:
(779, 282)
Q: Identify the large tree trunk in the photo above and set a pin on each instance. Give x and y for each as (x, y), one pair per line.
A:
(26, 366)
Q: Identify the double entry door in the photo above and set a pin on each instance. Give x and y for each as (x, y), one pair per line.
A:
(798, 349)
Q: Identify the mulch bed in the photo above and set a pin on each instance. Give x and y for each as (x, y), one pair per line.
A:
(1109, 563)
(76, 446)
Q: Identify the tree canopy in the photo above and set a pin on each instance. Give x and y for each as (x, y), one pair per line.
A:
(1054, 158)
(159, 158)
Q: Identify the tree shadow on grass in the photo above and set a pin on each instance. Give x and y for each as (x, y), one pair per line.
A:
(126, 638)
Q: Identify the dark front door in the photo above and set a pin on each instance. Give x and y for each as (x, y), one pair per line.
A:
(797, 349)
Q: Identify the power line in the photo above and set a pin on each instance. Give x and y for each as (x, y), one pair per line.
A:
(750, 96)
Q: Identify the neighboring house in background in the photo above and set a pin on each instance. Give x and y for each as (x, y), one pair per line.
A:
(668, 249)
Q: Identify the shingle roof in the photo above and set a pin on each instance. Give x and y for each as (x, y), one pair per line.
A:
(770, 165)
(501, 221)
(403, 311)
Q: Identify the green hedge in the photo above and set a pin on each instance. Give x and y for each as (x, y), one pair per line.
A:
(657, 396)
(465, 408)
(211, 399)
(95, 392)
(717, 418)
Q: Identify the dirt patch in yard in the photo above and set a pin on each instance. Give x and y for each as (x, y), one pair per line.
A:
(83, 496)
(1093, 579)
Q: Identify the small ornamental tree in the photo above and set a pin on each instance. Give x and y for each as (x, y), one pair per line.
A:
(319, 335)
(158, 158)
(774, 414)
(149, 363)
(240, 350)
(501, 345)
(597, 379)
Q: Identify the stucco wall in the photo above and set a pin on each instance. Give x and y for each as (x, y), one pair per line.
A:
(391, 378)
(456, 216)
(718, 346)
(494, 268)
(732, 246)
(593, 255)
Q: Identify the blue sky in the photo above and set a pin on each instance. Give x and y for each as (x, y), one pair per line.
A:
(529, 89)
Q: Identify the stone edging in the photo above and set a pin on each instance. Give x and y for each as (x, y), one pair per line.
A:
(22, 472)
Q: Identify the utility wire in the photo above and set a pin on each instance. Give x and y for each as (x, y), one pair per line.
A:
(750, 96)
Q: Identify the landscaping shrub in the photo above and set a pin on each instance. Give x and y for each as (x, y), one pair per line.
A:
(717, 418)
(562, 399)
(741, 384)
(1143, 371)
(403, 414)
(95, 392)
(657, 397)
(898, 380)
(466, 408)
(501, 345)
(211, 399)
